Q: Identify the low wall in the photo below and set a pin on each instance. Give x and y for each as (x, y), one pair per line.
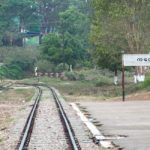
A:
(50, 75)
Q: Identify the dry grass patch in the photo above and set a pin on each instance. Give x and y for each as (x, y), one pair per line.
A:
(6, 112)
(73, 98)
(10, 101)
(16, 96)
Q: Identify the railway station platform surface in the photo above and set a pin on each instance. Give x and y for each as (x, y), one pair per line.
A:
(130, 121)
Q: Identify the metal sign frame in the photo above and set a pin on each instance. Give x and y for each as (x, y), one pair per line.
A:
(136, 59)
(133, 60)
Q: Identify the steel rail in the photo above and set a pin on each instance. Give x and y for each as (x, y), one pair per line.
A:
(73, 141)
(24, 139)
(68, 127)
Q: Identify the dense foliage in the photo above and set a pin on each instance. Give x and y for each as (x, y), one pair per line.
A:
(18, 62)
(51, 48)
(12, 71)
(20, 20)
(119, 27)
(75, 26)
(15, 16)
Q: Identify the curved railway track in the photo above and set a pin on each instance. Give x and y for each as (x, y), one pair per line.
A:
(27, 131)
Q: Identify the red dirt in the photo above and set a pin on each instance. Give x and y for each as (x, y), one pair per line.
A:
(134, 97)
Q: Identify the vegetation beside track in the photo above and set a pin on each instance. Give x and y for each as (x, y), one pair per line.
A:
(16, 95)
(95, 85)
(12, 102)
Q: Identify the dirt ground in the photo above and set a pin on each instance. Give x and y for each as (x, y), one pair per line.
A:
(12, 103)
(7, 117)
(133, 97)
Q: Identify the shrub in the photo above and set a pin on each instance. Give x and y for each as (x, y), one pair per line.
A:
(45, 66)
(59, 67)
(104, 81)
(75, 76)
(147, 81)
(24, 57)
(81, 76)
(71, 76)
(12, 71)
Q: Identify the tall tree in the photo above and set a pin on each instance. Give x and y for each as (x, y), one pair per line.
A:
(127, 19)
(15, 16)
(49, 12)
(51, 49)
(83, 6)
(76, 27)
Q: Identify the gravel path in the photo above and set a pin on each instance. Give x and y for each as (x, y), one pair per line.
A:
(48, 133)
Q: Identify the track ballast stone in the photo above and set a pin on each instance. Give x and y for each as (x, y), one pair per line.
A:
(48, 132)
(81, 131)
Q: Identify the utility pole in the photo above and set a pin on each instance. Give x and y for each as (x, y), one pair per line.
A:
(63, 44)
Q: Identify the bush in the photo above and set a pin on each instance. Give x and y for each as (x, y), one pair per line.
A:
(147, 81)
(104, 81)
(24, 57)
(70, 76)
(74, 76)
(45, 66)
(81, 76)
(12, 71)
(59, 67)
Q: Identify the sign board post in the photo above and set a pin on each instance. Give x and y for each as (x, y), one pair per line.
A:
(133, 60)
(123, 89)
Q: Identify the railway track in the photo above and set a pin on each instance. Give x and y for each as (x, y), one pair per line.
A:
(73, 141)
(26, 135)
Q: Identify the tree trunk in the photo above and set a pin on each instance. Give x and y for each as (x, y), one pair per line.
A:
(135, 75)
(48, 29)
(40, 38)
(116, 78)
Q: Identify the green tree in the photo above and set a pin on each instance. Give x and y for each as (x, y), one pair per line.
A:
(16, 16)
(17, 61)
(51, 48)
(76, 27)
(83, 6)
(23, 57)
(120, 26)
(49, 12)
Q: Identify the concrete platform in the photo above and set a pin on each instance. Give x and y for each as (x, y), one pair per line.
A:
(130, 120)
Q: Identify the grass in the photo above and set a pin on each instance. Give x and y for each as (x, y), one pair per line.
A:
(33, 41)
(1, 140)
(17, 95)
(9, 120)
(29, 98)
(98, 85)
(22, 108)
(19, 91)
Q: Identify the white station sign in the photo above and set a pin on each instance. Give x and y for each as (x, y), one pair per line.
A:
(136, 59)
